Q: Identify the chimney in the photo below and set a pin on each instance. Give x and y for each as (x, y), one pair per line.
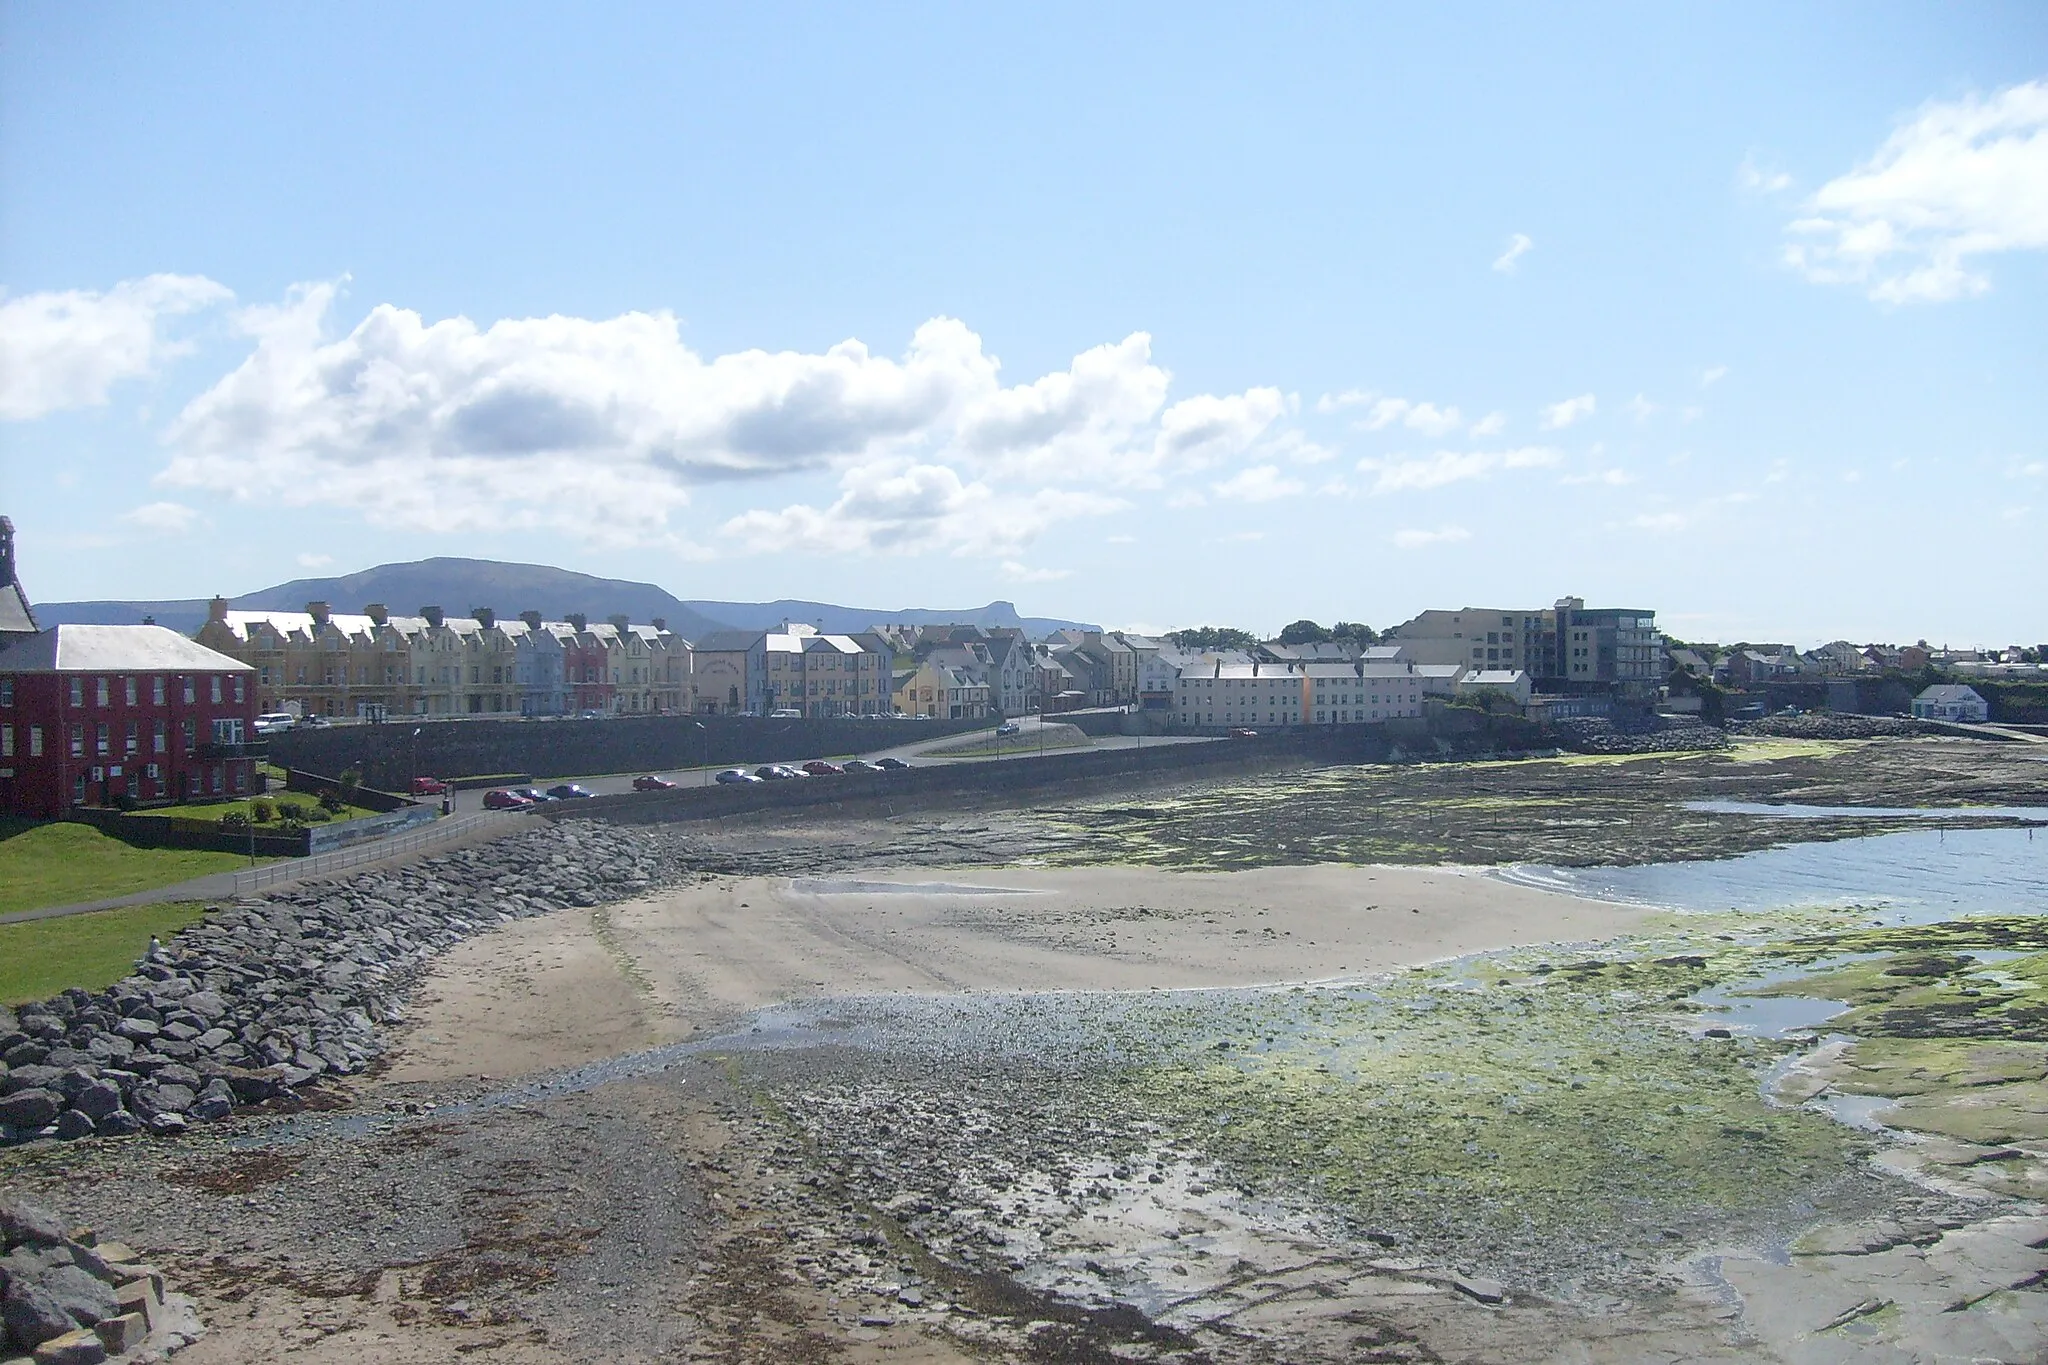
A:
(217, 611)
(659, 623)
(578, 620)
(619, 622)
(379, 614)
(6, 552)
(532, 619)
(434, 616)
(485, 616)
(320, 612)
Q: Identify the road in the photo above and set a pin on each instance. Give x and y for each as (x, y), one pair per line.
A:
(916, 754)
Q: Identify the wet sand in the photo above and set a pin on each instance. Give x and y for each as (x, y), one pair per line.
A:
(578, 985)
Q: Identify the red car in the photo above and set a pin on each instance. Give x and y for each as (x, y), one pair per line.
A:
(818, 767)
(651, 783)
(429, 786)
(502, 800)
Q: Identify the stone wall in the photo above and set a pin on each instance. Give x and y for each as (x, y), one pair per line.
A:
(390, 757)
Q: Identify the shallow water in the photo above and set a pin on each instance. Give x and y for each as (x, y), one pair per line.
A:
(1915, 876)
(1798, 812)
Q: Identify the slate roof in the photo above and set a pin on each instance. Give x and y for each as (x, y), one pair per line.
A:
(114, 649)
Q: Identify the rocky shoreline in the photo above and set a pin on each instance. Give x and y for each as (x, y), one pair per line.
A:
(269, 995)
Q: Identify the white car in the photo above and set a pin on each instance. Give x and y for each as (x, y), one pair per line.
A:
(786, 713)
(275, 722)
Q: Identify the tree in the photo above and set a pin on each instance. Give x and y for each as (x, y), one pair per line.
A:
(1354, 630)
(1303, 632)
(1212, 637)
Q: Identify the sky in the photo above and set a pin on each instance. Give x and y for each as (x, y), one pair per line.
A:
(1148, 315)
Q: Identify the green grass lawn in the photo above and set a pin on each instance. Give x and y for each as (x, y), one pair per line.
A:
(202, 810)
(41, 957)
(61, 864)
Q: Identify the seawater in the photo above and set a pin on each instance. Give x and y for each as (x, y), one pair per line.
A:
(1914, 876)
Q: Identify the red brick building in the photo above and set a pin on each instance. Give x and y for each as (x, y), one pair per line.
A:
(92, 714)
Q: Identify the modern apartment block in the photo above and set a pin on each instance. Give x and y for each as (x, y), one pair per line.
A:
(1566, 646)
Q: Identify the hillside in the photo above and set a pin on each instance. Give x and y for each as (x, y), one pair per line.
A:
(458, 585)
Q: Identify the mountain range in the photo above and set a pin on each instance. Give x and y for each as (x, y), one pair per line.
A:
(460, 585)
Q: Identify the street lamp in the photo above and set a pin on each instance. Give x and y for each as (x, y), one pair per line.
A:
(703, 752)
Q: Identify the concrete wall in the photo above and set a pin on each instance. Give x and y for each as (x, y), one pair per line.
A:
(390, 758)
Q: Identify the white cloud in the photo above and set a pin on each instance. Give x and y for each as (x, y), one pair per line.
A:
(1563, 414)
(1519, 246)
(1612, 478)
(1017, 573)
(1260, 483)
(1416, 539)
(67, 349)
(1120, 540)
(1641, 408)
(1405, 474)
(1186, 498)
(606, 428)
(1713, 375)
(1961, 180)
(313, 561)
(1350, 398)
(1427, 418)
(1761, 179)
(896, 508)
(2032, 469)
(1667, 521)
(164, 518)
(1493, 424)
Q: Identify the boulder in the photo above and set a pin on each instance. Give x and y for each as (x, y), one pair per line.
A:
(22, 1222)
(97, 1100)
(73, 1348)
(72, 1125)
(120, 1123)
(80, 1293)
(32, 1315)
(30, 1109)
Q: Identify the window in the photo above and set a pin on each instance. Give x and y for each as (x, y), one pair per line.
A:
(78, 741)
(158, 741)
(99, 689)
(189, 733)
(35, 741)
(216, 779)
(100, 739)
(128, 690)
(6, 741)
(6, 691)
(191, 696)
(78, 790)
(156, 690)
(238, 687)
(78, 691)
(133, 744)
(213, 686)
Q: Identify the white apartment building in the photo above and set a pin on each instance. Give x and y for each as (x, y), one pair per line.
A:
(1215, 694)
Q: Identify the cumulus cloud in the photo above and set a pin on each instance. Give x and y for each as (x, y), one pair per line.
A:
(1493, 424)
(607, 427)
(1259, 483)
(1959, 181)
(1556, 416)
(164, 518)
(1713, 375)
(897, 508)
(1759, 178)
(1417, 539)
(1404, 474)
(66, 349)
(1519, 246)
(1383, 412)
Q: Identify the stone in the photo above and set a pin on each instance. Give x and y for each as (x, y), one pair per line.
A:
(120, 1123)
(32, 1315)
(137, 1030)
(21, 1221)
(37, 1077)
(1485, 1291)
(97, 1100)
(213, 1039)
(80, 1293)
(73, 1348)
(122, 1334)
(205, 1004)
(210, 1107)
(30, 1108)
(173, 1099)
(72, 1125)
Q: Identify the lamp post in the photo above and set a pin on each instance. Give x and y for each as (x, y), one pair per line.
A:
(703, 752)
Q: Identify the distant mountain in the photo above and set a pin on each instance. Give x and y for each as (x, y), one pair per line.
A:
(843, 620)
(460, 585)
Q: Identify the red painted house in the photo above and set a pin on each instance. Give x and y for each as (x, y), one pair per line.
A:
(92, 714)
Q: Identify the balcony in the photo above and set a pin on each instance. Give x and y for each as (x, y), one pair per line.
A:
(253, 748)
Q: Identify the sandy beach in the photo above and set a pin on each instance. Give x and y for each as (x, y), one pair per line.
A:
(580, 985)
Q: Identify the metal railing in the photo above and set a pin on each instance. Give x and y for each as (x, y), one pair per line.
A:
(375, 850)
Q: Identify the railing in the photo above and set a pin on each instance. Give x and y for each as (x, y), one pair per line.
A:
(320, 864)
(254, 748)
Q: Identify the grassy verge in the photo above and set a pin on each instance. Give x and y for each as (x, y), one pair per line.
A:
(41, 957)
(214, 810)
(62, 864)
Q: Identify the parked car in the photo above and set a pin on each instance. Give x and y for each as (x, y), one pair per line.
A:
(859, 765)
(569, 791)
(504, 800)
(1008, 727)
(315, 722)
(651, 783)
(890, 763)
(429, 786)
(1242, 733)
(778, 772)
(785, 713)
(590, 715)
(533, 795)
(818, 767)
(275, 722)
(737, 776)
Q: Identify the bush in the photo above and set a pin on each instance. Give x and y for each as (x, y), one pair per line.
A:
(315, 815)
(234, 821)
(262, 812)
(331, 802)
(291, 813)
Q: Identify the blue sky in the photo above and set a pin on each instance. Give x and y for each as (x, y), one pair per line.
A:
(1152, 316)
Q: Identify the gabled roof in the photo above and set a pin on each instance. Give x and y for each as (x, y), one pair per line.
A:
(113, 649)
(730, 641)
(1949, 692)
(16, 616)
